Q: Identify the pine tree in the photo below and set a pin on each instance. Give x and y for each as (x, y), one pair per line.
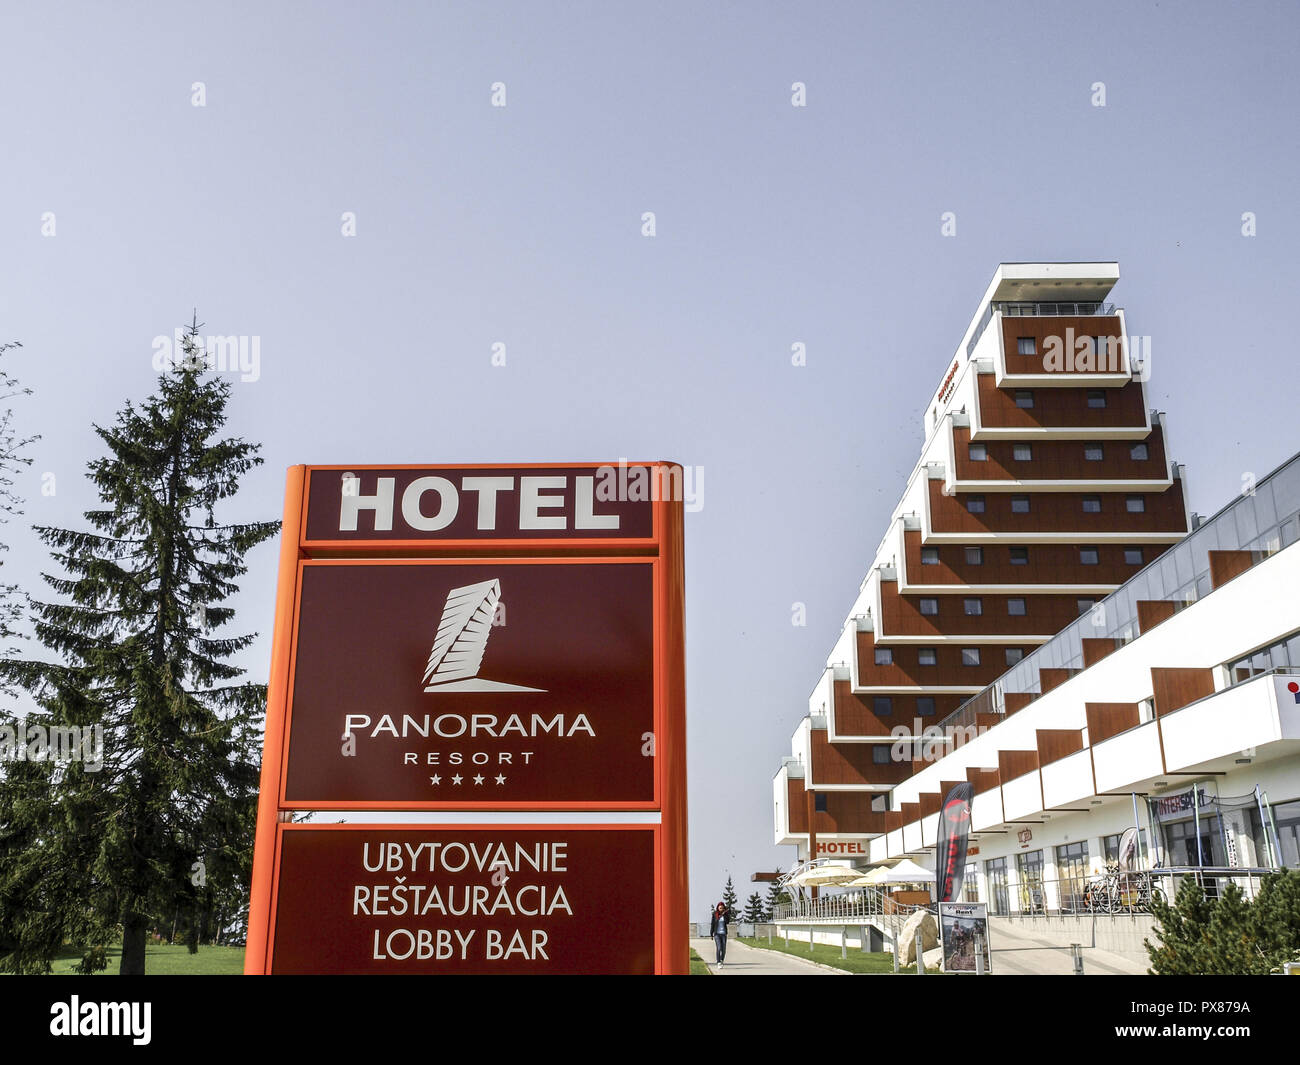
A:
(732, 902)
(164, 827)
(754, 908)
(12, 458)
(1181, 930)
(776, 896)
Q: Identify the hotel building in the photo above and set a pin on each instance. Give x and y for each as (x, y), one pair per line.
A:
(1092, 655)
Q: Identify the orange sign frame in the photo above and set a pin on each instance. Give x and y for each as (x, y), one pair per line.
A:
(666, 547)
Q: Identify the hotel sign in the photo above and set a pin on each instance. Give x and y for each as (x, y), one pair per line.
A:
(476, 684)
(476, 639)
(463, 900)
(347, 507)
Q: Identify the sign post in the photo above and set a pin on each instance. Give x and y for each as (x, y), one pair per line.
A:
(460, 641)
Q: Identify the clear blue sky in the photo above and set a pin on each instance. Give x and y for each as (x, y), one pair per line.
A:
(522, 225)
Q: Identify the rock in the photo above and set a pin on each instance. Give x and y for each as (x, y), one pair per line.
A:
(933, 959)
(924, 920)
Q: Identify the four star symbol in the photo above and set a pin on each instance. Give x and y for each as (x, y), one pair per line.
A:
(457, 779)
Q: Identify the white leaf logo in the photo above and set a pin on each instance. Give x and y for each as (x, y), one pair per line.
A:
(462, 639)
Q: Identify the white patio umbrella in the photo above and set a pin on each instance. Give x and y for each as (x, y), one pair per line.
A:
(824, 875)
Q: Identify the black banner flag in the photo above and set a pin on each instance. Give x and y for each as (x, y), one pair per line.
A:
(954, 827)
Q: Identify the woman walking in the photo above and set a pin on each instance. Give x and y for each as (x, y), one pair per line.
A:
(718, 930)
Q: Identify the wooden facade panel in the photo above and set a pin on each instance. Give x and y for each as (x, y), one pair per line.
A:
(1058, 512)
(855, 715)
(1057, 743)
(1175, 688)
(1044, 616)
(1014, 701)
(1046, 564)
(847, 812)
(906, 670)
(1060, 408)
(1012, 764)
(1060, 338)
(1151, 612)
(1095, 648)
(853, 763)
(1110, 719)
(1224, 565)
(1053, 678)
(983, 779)
(1060, 460)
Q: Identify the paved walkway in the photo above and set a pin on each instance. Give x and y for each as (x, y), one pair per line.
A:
(1017, 953)
(750, 961)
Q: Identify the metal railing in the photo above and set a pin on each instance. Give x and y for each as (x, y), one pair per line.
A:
(1113, 893)
(1039, 309)
(859, 904)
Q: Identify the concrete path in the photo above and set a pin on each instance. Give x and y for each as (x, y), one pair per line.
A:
(1017, 953)
(749, 961)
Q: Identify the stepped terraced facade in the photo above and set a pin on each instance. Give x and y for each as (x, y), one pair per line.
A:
(1044, 483)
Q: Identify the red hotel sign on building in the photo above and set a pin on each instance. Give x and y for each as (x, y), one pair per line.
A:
(475, 639)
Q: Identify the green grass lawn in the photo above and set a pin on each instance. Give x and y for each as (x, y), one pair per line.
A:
(166, 960)
(858, 961)
(698, 968)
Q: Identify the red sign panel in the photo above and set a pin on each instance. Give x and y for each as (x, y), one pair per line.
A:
(556, 899)
(479, 639)
(427, 683)
(470, 505)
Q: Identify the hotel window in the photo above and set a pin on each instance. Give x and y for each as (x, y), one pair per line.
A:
(1092, 504)
(1024, 399)
(1014, 655)
(929, 607)
(884, 656)
(995, 876)
(929, 556)
(1093, 452)
(975, 504)
(1133, 556)
(1019, 556)
(926, 656)
(1135, 504)
(1110, 844)
(1019, 504)
(1138, 453)
(1072, 874)
(882, 705)
(970, 656)
(973, 607)
(1023, 452)
(1096, 399)
(819, 801)
(977, 452)
(1084, 605)
(1087, 556)
(880, 803)
(1016, 607)
(974, 556)
(880, 754)
(925, 706)
(1026, 346)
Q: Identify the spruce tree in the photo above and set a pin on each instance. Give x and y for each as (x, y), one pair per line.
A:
(775, 897)
(754, 908)
(13, 456)
(729, 897)
(164, 827)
